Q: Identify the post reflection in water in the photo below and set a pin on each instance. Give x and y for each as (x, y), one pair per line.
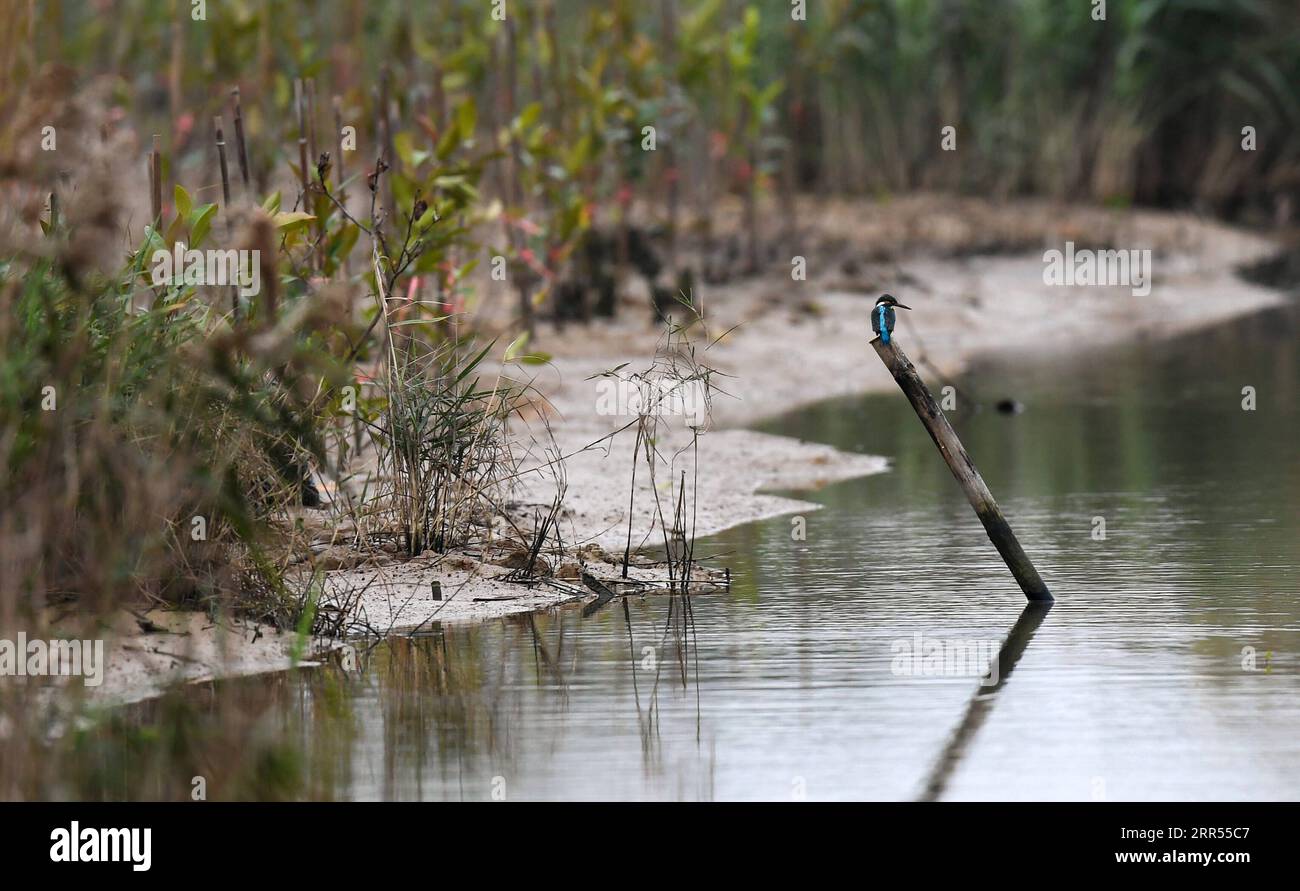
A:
(981, 703)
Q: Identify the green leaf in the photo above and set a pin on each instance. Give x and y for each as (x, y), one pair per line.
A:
(201, 222)
(272, 203)
(152, 242)
(292, 220)
(427, 263)
(466, 118)
(176, 231)
(516, 346)
(768, 94)
(404, 144)
(473, 363)
(183, 203)
(347, 238)
(528, 117)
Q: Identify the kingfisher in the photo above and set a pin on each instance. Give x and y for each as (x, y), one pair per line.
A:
(882, 316)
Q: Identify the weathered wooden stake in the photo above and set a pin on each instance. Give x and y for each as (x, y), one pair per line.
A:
(950, 447)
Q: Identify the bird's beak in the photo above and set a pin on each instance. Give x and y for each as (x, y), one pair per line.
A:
(901, 306)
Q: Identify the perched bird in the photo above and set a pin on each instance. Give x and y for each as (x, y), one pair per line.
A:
(882, 316)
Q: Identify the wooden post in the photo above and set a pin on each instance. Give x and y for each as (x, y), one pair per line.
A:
(950, 447)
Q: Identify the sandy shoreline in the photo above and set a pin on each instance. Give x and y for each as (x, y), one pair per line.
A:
(797, 343)
(794, 343)
(146, 653)
(803, 342)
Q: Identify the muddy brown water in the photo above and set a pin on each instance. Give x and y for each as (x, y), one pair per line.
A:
(848, 665)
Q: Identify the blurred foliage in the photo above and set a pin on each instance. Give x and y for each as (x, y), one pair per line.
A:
(1147, 105)
(537, 121)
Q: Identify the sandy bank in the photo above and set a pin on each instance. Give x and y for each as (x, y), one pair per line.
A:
(146, 653)
(793, 343)
(973, 273)
(798, 342)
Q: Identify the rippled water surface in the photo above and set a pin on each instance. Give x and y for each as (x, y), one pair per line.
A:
(799, 683)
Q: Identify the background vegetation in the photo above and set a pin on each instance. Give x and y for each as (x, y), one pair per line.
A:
(559, 143)
(569, 141)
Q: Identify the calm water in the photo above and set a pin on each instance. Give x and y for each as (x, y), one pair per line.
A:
(1132, 687)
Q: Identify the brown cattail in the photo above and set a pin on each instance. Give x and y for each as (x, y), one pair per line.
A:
(174, 75)
(263, 241)
(240, 149)
(298, 101)
(155, 180)
(557, 61)
(439, 98)
(225, 198)
(225, 173)
(340, 176)
(321, 167)
(311, 118)
(386, 128)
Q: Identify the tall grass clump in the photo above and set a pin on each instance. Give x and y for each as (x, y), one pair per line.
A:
(442, 438)
(152, 442)
(148, 448)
